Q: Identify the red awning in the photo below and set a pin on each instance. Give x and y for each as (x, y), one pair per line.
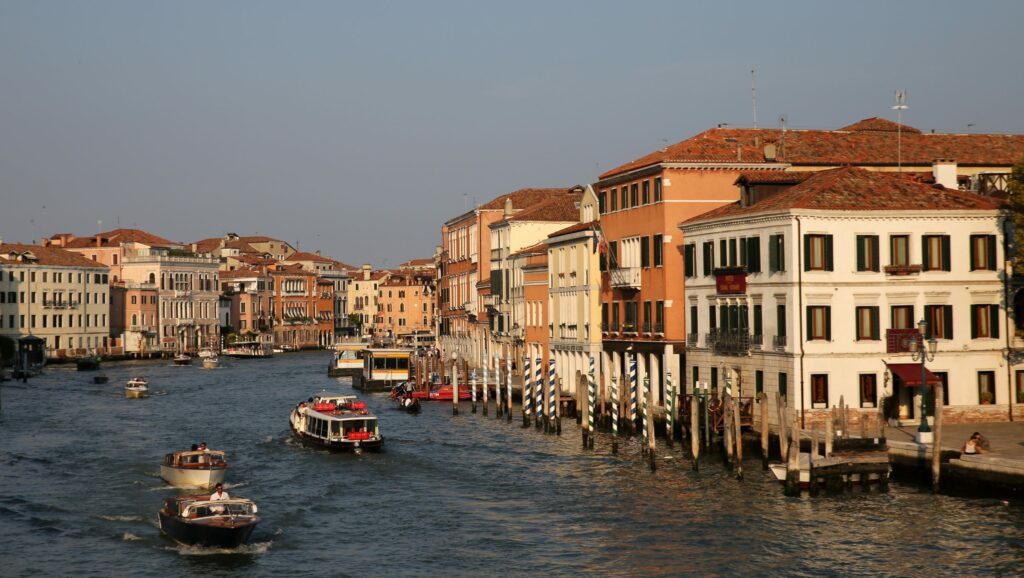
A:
(910, 374)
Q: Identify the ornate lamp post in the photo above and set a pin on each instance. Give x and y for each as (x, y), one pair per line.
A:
(923, 350)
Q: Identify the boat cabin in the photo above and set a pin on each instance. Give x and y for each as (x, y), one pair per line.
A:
(338, 417)
(196, 459)
(194, 507)
(386, 366)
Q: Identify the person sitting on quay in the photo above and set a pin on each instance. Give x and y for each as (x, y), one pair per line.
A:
(973, 446)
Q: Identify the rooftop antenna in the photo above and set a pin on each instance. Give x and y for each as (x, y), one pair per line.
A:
(899, 107)
(753, 94)
(99, 226)
(970, 125)
(782, 142)
(465, 200)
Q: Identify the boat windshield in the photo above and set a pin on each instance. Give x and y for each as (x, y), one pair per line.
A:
(348, 354)
(221, 508)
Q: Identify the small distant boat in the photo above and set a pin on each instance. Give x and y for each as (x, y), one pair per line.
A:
(182, 359)
(136, 387)
(336, 422)
(101, 378)
(404, 399)
(211, 363)
(278, 350)
(443, 393)
(194, 469)
(197, 521)
(91, 363)
(248, 350)
(207, 352)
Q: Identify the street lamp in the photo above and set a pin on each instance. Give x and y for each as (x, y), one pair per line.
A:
(923, 350)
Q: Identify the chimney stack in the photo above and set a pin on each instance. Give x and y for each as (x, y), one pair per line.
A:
(508, 208)
(944, 172)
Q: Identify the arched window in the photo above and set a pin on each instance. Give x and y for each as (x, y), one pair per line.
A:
(152, 278)
(135, 319)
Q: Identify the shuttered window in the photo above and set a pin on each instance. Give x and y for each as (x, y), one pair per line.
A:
(709, 258)
(819, 390)
(983, 252)
(867, 253)
(867, 323)
(658, 247)
(817, 252)
(819, 323)
(940, 321)
(776, 254)
(899, 250)
(935, 253)
(984, 321)
(753, 254)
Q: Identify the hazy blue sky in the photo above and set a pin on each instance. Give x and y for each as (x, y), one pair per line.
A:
(359, 127)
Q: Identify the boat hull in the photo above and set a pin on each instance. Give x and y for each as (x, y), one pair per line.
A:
(210, 363)
(339, 445)
(192, 478)
(333, 371)
(100, 379)
(187, 361)
(374, 384)
(136, 392)
(192, 533)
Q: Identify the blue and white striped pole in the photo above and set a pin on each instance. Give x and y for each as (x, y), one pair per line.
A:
(591, 402)
(497, 386)
(508, 382)
(551, 396)
(647, 410)
(527, 391)
(538, 392)
(632, 394)
(472, 381)
(615, 412)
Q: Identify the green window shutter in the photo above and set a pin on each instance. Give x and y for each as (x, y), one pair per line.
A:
(874, 254)
(875, 331)
(991, 242)
(807, 252)
(754, 254)
(709, 257)
(758, 330)
(861, 241)
(993, 323)
(828, 252)
(693, 319)
(974, 253)
(946, 258)
(723, 257)
(947, 318)
(974, 321)
(810, 324)
(773, 254)
(828, 324)
(925, 254)
(780, 319)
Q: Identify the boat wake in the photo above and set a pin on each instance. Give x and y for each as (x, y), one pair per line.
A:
(129, 537)
(123, 518)
(254, 549)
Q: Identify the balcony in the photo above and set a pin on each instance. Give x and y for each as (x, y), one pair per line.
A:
(898, 340)
(901, 270)
(731, 342)
(626, 278)
(659, 328)
(615, 326)
(779, 342)
(756, 341)
(691, 339)
(646, 328)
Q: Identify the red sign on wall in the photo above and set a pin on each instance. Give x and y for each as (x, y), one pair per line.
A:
(731, 282)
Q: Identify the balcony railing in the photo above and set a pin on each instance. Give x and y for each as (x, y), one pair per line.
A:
(629, 327)
(779, 341)
(691, 339)
(659, 327)
(756, 341)
(898, 340)
(730, 342)
(901, 270)
(626, 278)
(646, 327)
(615, 326)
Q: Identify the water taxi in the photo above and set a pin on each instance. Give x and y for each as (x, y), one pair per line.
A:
(182, 359)
(136, 387)
(194, 468)
(384, 368)
(336, 422)
(347, 362)
(198, 521)
(211, 362)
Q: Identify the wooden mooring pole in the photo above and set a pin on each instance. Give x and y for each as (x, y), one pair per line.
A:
(591, 401)
(670, 410)
(695, 429)
(472, 382)
(738, 423)
(538, 391)
(764, 431)
(793, 469)
(455, 388)
(780, 405)
(727, 429)
(487, 368)
(649, 421)
(937, 438)
(508, 393)
(527, 391)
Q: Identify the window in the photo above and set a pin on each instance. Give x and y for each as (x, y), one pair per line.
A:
(604, 317)
(631, 314)
(983, 252)
(615, 316)
(659, 316)
(899, 250)
(819, 391)
(753, 260)
(758, 325)
(868, 389)
(783, 384)
(867, 324)
(867, 253)
(714, 378)
(733, 258)
(712, 320)
(776, 254)
(984, 321)
(689, 257)
(613, 254)
(780, 320)
(624, 198)
(648, 313)
(657, 247)
(634, 195)
(645, 194)
(657, 190)
(902, 317)
(940, 321)
(601, 202)
(723, 253)
(693, 316)
(613, 198)
(709, 257)
(758, 383)
(1019, 385)
(817, 252)
(645, 251)
(696, 376)
(819, 323)
(935, 253)
(986, 387)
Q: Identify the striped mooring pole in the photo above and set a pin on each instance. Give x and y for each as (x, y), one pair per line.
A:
(538, 392)
(647, 410)
(549, 419)
(632, 394)
(591, 401)
(670, 416)
(508, 392)
(615, 414)
(485, 388)
(472, 385)
(497, 386)
(527, 391)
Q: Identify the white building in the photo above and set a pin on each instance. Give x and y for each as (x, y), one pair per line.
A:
(811, 285)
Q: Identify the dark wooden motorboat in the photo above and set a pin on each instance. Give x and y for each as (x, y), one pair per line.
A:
(101, 378)
(196, 521)
(182, 359)
(91, 363)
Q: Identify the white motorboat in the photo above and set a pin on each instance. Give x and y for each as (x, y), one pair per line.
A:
(336, 422)
(211, 362)
(194, 469)
(136, 387)
(204, 353)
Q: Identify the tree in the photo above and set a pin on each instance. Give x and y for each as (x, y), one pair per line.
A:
(1016, 202)
(355, 319)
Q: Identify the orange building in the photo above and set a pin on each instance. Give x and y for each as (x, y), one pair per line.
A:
(533, 262)
(294, 307)
(134, 314)
(407, 303)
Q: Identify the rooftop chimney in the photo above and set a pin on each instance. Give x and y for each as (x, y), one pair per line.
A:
(944, 172)
(508, 207)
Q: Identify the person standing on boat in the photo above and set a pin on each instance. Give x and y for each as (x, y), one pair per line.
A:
(218, 495)
(202, 447)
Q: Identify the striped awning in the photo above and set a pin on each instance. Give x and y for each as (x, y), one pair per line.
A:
(910, 374)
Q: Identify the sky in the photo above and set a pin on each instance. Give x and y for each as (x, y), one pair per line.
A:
(358, 128)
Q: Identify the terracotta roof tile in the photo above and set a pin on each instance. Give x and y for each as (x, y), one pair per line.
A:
(575, 228)
(773, 177)
(523, 198)
(116, 237)
(879, 125)
(538, 249)
(857, 189)
(869, 142)
(39, 255)
(304, 256)
(562, 207)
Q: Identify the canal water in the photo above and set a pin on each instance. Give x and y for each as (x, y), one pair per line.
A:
(466, 495)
